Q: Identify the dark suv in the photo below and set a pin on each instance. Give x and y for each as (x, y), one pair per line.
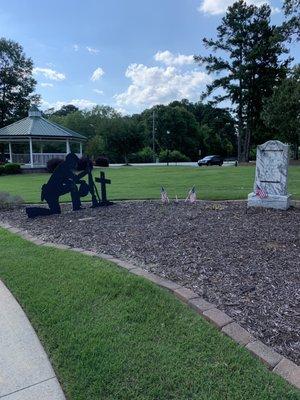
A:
(211, 160)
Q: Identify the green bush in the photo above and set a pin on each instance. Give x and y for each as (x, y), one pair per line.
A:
(172, 156)
(146, 155)
(2, 169)
(102, 161)
(143, 156)
(12, 169)
(8, 201)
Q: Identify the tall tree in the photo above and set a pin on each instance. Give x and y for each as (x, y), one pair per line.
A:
(282, 111)
(252, 66)
(291, 9)
(16, 82)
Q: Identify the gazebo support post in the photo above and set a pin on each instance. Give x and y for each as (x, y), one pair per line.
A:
(68, 149)
(31, 155)
(80, 149)
(10, 152)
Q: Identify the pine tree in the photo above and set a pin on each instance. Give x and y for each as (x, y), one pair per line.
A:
(291, 9)
(253, 66)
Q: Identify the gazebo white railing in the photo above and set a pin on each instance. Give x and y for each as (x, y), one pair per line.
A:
(39, 159)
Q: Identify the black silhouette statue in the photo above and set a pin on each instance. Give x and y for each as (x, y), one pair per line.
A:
(64, 180)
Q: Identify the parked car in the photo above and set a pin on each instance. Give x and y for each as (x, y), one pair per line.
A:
(211, 160)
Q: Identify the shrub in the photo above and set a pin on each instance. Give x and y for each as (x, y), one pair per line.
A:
(12, 169)
(102, 161)
(173, 156)
(2, 169)
(143, 156)
(53, 163)
(3, 159)
(8, 201)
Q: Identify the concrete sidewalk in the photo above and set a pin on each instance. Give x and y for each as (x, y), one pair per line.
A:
(25, 371)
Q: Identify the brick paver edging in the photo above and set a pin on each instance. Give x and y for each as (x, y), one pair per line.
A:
(274, 361)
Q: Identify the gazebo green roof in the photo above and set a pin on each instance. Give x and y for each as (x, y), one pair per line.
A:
(35, 126)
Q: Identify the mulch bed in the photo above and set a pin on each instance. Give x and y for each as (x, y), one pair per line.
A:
(248, 264)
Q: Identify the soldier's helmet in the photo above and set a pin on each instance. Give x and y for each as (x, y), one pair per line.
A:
(72, 160)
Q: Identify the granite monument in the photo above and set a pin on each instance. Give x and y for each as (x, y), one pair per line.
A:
(271, 177)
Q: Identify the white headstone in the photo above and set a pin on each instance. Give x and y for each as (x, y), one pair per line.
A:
(271, 176)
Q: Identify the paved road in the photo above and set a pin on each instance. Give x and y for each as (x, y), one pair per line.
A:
(182, 164)
(25, 371)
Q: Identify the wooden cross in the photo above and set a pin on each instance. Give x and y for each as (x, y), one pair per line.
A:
(103, 181)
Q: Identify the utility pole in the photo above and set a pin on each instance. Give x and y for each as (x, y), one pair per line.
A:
(168, 150)
(153, 135)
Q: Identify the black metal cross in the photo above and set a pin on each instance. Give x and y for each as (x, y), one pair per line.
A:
(103, 181)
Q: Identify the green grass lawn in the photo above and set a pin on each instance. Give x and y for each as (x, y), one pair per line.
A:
(114, 336)
(213, 183)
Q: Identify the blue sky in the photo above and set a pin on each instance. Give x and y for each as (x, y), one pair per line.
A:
(129, 54)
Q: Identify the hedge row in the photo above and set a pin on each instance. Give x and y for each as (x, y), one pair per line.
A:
(10, 169)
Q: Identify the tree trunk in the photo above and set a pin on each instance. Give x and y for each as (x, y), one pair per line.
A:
(296, 150)
(247, 144)
(240, 127)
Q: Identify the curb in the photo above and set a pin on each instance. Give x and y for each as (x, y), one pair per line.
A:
(295, 203)
(277, 363)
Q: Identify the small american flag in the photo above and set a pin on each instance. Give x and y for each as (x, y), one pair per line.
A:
(191, 197)
(164, 196)
(261, 193)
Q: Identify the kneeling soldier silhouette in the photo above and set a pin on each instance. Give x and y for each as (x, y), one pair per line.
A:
(62, 181)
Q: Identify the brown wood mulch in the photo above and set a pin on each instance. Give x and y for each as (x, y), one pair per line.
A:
(247, 263)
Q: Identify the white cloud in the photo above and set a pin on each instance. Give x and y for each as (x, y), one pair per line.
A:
(98, 91)
(215, 7)
(45, 84)
(97, 74)
(169, 58)
(80, 103)
(153, 85)
(75, 47)
(92, 50)
(122, 111)
(49, 73)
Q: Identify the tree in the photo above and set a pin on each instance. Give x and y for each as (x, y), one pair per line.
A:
(215, 122)
(122, 138)
(95, 146)
(291, 6)
(65, 110)
(16, 82)
(282, 111)
(291, 9)
(179, 122)
(76, 121)
(252, 67)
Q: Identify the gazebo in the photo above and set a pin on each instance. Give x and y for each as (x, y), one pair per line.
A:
(36, 130)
